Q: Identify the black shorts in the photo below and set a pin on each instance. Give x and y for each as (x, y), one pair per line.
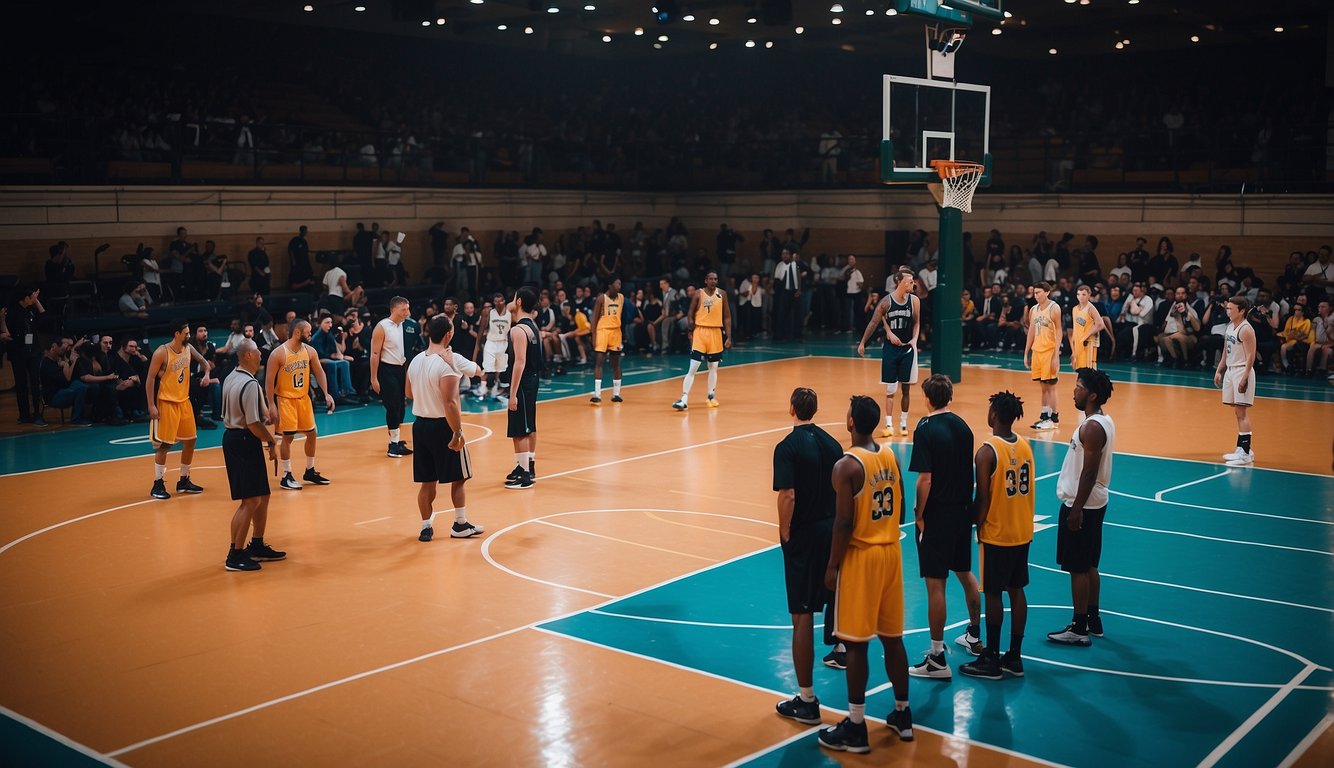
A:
(947, 544)
(523, 419)
(805, 558)
(898, 365)
(432, 460)
(247, 471)
(1078, 551)
(392, 378)
(1002, 567)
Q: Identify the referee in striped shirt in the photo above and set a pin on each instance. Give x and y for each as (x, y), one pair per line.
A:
(245, 416)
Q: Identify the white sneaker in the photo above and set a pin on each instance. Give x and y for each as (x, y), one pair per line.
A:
(1244, 460)
(1235, 454)
(972, 644)
(1045, 424)
(932, 666)
(680, 405)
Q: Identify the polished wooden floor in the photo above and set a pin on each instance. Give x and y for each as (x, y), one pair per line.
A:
(123, 633)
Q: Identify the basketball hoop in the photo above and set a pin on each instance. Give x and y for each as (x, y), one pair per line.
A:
(959, 181)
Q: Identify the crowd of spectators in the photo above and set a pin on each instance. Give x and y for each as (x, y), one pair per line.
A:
(1160, 308)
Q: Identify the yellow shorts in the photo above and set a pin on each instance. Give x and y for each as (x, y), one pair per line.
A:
(295, 414)
(869, 595)
(607, 340)
(1083, 356)
(1045, 365)
(175, 422)
(707, 339)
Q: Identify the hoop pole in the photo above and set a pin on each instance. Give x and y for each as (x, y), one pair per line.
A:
(947, 313)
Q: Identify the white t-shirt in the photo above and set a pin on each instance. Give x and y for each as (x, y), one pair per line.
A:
(331, 279)
(425, 372)
(1067, 485)
(392, 351)
(756, 297)
(534, 252)
(928, 278)
(1145, 305)
(393, 253)
(1323, 271)
(856, 281)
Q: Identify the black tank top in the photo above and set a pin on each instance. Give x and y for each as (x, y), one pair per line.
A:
(533, 363)
(898, 317)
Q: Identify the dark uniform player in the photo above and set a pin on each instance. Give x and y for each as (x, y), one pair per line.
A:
(900, 314)
(803, 464)
(525, 363)
(1004, 509)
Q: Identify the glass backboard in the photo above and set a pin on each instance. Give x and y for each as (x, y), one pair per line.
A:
(927, 120)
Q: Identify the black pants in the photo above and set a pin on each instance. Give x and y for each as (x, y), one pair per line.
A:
(391, 394)
(26, 384)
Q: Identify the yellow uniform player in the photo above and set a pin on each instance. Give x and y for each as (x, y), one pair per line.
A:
(709, 320)
(1042, 351)
(172, 418)
(607, 339)
(287, 381)
(1086, 331)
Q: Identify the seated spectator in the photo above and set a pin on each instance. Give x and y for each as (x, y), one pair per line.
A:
(266, 338)
(1298, 336)
(60, 388)
(204, 389)
(328, 344)
(135, 300)
(227, 352)
(254, 311)
(1011, 329)
(1322, 326)
(576, 340)
(336, 284)
(131, 367)
(1134, 328)
(92, 366)
(1180, 331)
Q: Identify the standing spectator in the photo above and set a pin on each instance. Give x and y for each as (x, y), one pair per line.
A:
(183, 256)
(533, 253)
(1089, 269)
(204, 389)
(20, 339)
(751, 303)
(260, 272)
(60, 387)
(300, 276)
(854, 295)
(152, 273)
(439, 240)
(59, 269)
(728, 239)
(363, 245)
(803, 465)
(787, 290)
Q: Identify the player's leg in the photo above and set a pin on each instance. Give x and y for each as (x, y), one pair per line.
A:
(615, 375)
(891, 388)
(425, 499)
(696, 359)
(905, 398)
(850, 734)
(1243, 414)
(241, 522)
(972, 596)
(288, 482)
(933, 664)
(803, 649)
(598, 354)
(896, 668)
(160, 451)
(714, 361)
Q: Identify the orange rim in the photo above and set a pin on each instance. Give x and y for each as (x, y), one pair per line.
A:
(949, 169)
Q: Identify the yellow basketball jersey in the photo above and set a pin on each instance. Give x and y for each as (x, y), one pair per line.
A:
(611, 312)
(710, 312)
(174, 379)
(1044, 323)
(1010, 517)
(294, 378)
(877, 506)
(1083, 322)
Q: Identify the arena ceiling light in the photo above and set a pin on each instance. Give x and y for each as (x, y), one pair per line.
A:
(1278, 29)
(836, 20)
(606, 38)
(553, 8)
(440, 21)
(528, 30)
(308, 8)
(751, 19)
(870, 11)
(836, 8)
(688, 17)
(800, 30)
(1052, 51)
(662, 38)
(639, 31)
(713, 46)
(713, 22)
(502, 27)
(891, 11)
(996, 31)
(750, 43)
(590, 7)
(1195, 38)
(426, 23)
(360, 9)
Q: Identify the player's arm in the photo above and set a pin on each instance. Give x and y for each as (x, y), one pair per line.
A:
(690, 313)
(1060, 333)
(985, 464)
(150, 383)
(787, 502)
(848, 475)
(277, 358)
(1096, 325)
(518, 340)
(876, 319)
(377, 346)
(449, 394)
(916, 319)
(260, 428)
(919, 504)
(727, 323)
(597, 309)
(1028, 339)
(317, 368)
(1094, 440)
(204, 365)
(1247, 338)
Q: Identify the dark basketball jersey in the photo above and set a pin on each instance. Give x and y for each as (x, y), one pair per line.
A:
(533, 364)
(899, 318)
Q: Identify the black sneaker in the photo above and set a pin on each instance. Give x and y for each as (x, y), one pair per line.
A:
(847, 736)
(1055, 418)
(617, 399)
(185, 486)
(986, 666)
(1069, 636)
(807, 712)
(159, 490)
(836, 659)
(1011, 664)
(237, 560)
(465, 530)
(514, 474)
(394, 452)
(595, 400)
(403, 449)
(289, 483)
(312, 476)
(532, 469)
(900, 721)
(521, 482)
(1095, 625)
(258, 550)
(426, 534)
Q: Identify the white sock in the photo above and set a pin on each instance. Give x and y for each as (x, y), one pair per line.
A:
(597, 388)
(807, 694)
(185, 471)
(310, 462)
(427, 523)
(393, 436)
(841, 648)
(903, 419)
(460, 515)
(529, 458)
(689, 380)
(857, 712)
(889, 421)
(287, 466)
(937, 646)
(521, 460)
(713, 378)
(159, 470)
(900, 705)
(616, 387)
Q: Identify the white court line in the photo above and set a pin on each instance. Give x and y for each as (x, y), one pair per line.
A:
(1105, 574)
(1217, 538)
(1049, 474)
(61, 739)
(1159, 495)
(627, 541)
(375, 520)
(1221, 509)
(64, 523)
(1255, 719)
(798, 736)
(781, 695)
(1325, 724)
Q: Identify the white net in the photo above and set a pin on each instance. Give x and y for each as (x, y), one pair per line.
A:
(959, 182)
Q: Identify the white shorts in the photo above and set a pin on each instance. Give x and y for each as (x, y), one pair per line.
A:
(1231, 378)
(494, 359)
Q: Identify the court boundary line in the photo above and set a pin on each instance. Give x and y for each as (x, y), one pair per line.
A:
(550, 524)
(61, 738)
(1257, 717)
(1308, 741)
(1246, 512)
(794, 738)
(1159, 495)
(1194, 589)
(781, 695)
(1216, 538)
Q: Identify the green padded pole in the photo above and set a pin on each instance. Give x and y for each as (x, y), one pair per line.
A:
(947, 314)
